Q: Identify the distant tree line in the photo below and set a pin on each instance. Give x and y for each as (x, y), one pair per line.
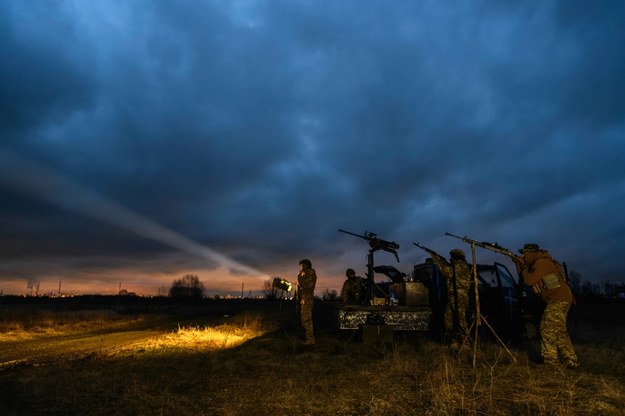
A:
(587, 288)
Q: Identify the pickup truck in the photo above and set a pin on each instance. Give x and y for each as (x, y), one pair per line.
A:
(417, 302)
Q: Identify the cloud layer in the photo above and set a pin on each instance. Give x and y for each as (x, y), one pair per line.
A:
(257, 129)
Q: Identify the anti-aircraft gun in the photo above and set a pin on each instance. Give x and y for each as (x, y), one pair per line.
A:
(376, 244)
(400, 304)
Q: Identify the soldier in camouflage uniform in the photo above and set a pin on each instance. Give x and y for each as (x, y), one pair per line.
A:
(538, 270)
(353, 288)
(458, 277)
(306, 280)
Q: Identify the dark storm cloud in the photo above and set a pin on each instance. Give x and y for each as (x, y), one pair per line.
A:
(259, 128)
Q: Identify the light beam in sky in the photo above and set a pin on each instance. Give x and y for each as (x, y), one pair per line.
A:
(40, 182)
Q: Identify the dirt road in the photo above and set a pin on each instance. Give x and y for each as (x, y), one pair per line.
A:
(45, 348)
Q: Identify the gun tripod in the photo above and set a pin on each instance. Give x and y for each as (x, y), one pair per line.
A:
(479, 318)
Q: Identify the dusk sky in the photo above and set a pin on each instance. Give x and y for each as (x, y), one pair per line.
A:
(144, 140)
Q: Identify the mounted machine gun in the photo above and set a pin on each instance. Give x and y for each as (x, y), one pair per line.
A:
(376, 244)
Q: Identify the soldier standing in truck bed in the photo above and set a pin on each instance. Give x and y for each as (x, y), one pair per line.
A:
(538, 270)
(353, 288)
(457, 273)
(306, 280)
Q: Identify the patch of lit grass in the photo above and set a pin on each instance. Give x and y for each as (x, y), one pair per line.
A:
(204, 338)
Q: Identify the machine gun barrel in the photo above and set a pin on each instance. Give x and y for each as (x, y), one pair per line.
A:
(364, 237)
(484, 244)
(377, 243)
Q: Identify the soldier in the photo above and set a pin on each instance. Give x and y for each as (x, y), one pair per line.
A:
(306, 279)
(458, 276)
(353, 288)
(538, 270)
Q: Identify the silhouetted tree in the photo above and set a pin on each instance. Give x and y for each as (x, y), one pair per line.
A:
(271, 292)
(575, 282)
(189, 286)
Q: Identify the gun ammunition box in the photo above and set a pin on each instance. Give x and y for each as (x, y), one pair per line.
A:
(411, 293)
(378, 301)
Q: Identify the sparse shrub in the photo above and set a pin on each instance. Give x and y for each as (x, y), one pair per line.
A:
(329, 295)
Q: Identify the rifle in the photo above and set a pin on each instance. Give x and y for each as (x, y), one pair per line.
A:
(377, 243)
(488, 246)
(428, 250)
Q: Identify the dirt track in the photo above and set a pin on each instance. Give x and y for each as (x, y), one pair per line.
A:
(142, 318)
(44, 348)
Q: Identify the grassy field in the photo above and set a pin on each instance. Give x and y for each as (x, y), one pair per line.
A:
(251, 362)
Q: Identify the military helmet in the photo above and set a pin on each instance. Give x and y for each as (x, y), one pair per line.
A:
(350, 272)
(306, 263)
(456, 253)
(529, 247)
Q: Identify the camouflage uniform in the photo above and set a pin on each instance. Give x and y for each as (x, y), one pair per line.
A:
(458, 277)
(538, 270)
(307, 279)
(352, 288)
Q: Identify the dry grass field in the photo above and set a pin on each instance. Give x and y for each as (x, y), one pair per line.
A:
(249, 361)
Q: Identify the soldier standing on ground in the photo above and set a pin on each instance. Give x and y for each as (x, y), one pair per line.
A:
(457, 273)
(538, 270)
(353, 288)
(307, 279)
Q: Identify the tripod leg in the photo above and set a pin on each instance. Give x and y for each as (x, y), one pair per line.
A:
(498, 339)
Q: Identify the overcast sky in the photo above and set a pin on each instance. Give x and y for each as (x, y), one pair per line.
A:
(144, 140)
